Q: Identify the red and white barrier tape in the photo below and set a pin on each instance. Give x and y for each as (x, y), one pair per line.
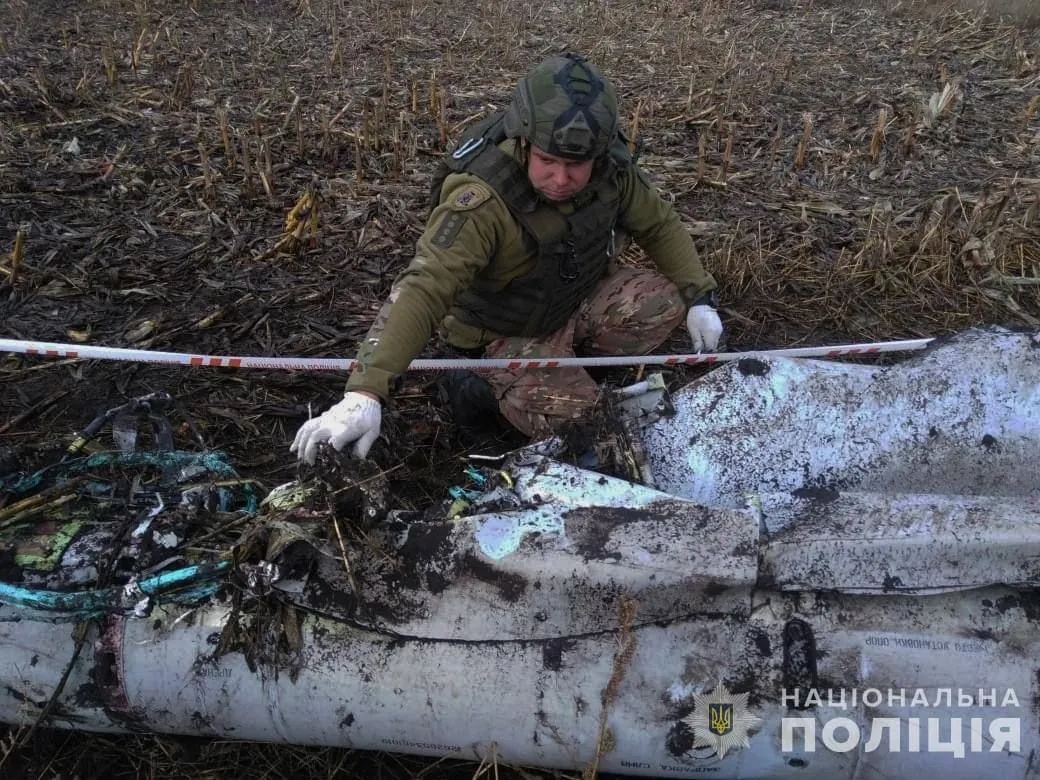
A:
(83, 352)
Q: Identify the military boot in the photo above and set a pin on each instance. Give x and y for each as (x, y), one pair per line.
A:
(472, 401)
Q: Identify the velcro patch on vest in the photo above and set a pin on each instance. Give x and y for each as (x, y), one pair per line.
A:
(470, 197)
(449, 230)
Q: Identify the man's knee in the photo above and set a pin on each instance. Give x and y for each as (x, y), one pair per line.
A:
(637, 318)
(663, 309)
(634, 298)
(537, 402)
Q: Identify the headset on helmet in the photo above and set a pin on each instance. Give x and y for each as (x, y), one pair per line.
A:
(565, 107)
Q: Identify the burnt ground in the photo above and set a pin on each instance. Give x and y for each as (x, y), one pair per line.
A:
(850, 174)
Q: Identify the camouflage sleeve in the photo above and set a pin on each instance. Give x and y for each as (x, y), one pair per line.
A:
(461, 236)
(654, 225)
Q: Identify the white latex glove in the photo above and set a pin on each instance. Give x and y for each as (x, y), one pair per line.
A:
(705, 328)
(356, 418)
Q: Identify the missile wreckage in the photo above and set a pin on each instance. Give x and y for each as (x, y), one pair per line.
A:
(788, 567)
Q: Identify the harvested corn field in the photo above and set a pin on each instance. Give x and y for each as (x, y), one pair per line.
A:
(247, 178)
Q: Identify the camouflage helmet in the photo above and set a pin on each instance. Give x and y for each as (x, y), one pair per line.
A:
(565, 107)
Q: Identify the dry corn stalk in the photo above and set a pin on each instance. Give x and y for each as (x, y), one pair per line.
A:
(1030, 111)
(803, 144)
(183, 86)
(301, 223)
(702, 151)
(225, 137)
(939, 103)
(16, 256)
(879, 135)
(727, 155)
(635, 127)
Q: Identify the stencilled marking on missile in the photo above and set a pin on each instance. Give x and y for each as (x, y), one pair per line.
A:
(939, 645)
(211, 671)
(671, 769)
(421, 745)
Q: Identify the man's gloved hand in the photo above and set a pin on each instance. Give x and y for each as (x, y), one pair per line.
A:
(356, 418)
(705, 327)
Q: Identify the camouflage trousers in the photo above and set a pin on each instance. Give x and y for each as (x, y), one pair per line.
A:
(631, 312)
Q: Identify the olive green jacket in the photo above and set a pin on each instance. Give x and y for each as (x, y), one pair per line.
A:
(472, 233)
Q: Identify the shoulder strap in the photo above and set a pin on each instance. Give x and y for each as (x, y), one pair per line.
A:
(621, 150)
(478, 153)
(486, 132)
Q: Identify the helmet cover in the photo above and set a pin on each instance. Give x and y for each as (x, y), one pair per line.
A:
(565, 107)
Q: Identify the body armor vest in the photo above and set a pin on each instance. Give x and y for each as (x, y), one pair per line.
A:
(574, 251)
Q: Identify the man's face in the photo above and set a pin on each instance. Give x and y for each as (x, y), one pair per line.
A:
(557, 178)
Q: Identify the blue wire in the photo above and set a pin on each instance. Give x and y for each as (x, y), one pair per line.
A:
(88, 603)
